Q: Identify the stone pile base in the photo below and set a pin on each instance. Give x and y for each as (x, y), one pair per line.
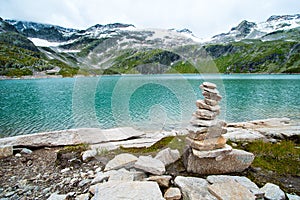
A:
(233, 160)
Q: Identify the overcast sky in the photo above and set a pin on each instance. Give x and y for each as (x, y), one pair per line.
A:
(204, 17)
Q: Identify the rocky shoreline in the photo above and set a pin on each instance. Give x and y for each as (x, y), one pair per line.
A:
(38, 166)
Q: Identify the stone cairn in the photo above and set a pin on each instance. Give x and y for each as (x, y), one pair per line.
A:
(206, 151)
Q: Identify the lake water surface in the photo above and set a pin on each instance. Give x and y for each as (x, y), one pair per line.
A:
(147, 102)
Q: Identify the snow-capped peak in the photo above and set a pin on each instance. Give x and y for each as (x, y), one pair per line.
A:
(251, 30)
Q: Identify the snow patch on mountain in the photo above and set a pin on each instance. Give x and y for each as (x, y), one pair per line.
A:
(44, 43)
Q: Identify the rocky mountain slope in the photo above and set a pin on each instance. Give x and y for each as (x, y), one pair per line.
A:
(29, 48)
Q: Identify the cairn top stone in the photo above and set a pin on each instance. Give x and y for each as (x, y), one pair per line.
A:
(209, 85)
(214, 91)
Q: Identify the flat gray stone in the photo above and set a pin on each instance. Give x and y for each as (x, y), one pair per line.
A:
(272, 192)
(197, 130)
(203, 122)
(230, 190)
(207, 144)
(263, 123)
(244, 181)
(213, 153)
(72, 137)
(235, 161)
(172, 193)
(133, 190)
(168, 156)
(212, 91)
(6, 151)
(244, 135)
(202, 105)
(194, 188)
(209, 85)
(211, 102)
(205, 114)
(163, 181)
(212, 96)
(26, 151)
(293, 197)
(124, 160)
(151, 165)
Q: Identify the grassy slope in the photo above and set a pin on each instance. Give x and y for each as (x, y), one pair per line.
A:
(19, 57)
(261, 57)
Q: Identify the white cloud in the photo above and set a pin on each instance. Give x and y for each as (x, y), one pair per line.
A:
(204, 17)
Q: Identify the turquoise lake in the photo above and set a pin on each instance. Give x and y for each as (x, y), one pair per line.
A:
(146, 102)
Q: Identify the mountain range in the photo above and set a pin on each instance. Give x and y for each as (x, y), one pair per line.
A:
(30, 48)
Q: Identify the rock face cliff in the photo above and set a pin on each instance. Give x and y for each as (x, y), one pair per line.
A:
(30, 48)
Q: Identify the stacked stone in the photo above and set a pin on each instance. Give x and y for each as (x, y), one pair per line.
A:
(205, 132)
(206, 151)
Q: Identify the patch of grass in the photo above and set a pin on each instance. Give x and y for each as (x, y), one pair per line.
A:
(282, 158)
(154, 148)
(75, 148)
(102, 151)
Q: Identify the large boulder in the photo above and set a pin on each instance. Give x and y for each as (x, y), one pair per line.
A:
(235, 161)
(230, 190)
(244, 181)
(125, 160)
(151, 165)
(133, 190)
(194, 188)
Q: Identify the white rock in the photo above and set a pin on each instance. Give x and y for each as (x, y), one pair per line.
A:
(172, 194)
(293, 197)
(151, 165)
(89, 154)
(26, 151)
(272, 192)
(133, 190)
(65, 170)
(56, 196)
(18, 155)
(84, 182)
(168, 156)
(194, 188)
(125, 160)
